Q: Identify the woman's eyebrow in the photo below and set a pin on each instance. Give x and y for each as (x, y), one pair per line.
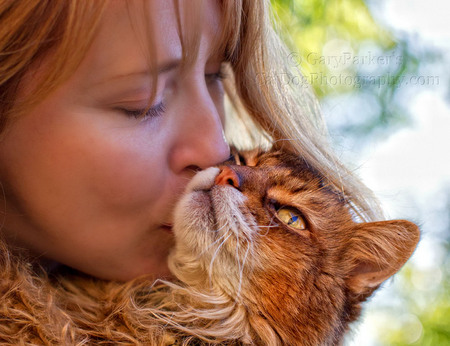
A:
(168, 66)
(162, 68)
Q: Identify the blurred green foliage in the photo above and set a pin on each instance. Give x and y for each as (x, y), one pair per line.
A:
(342, 50)
(425, 318)
(308, 26)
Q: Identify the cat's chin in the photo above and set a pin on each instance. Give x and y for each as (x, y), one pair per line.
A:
(195, 211)
(209, 217)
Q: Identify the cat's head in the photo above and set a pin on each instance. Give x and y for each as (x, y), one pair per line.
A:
(267, 231)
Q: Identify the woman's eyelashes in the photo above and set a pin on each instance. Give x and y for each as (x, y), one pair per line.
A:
(144, 113)
(158, 109)
(218, 76)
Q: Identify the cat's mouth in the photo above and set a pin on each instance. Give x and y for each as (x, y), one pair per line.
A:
(207, 206)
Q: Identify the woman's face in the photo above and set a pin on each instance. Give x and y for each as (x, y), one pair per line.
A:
(90, 185)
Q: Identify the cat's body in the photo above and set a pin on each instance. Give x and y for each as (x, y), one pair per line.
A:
(265, 254)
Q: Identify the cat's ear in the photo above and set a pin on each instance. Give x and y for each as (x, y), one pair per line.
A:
(377, 251)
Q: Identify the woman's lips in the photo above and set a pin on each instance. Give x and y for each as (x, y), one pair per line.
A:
(167, 227)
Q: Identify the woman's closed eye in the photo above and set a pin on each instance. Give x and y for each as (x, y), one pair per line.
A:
(215, 77)
(144, 113)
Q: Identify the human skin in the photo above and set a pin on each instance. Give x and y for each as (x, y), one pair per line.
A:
(87, 184)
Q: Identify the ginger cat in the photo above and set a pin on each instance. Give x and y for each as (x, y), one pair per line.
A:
(266, 254)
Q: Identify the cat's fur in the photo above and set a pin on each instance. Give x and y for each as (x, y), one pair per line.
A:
(243, 275)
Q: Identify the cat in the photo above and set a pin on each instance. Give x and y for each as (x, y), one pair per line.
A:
(266, 254)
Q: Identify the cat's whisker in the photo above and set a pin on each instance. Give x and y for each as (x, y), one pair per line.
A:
(269, 226)
(224, 237)
(272, 224)
(217, 252)
(215, 241)
(241, 264)
(216, 230)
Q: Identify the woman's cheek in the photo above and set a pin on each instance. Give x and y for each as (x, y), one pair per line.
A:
(127, 175)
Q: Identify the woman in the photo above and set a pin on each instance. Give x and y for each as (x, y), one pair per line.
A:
(108, 108)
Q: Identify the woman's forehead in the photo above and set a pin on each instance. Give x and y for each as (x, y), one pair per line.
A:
(144, 36)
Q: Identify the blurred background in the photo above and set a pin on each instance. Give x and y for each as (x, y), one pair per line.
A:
(381, 70)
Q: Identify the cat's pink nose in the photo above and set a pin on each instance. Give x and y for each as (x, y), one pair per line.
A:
(227, 176)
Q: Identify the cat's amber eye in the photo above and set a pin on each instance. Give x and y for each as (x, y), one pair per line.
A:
(291, 217)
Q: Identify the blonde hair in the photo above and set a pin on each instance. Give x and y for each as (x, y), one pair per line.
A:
(286, 115)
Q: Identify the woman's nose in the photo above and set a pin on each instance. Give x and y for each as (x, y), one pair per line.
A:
(200, 140)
